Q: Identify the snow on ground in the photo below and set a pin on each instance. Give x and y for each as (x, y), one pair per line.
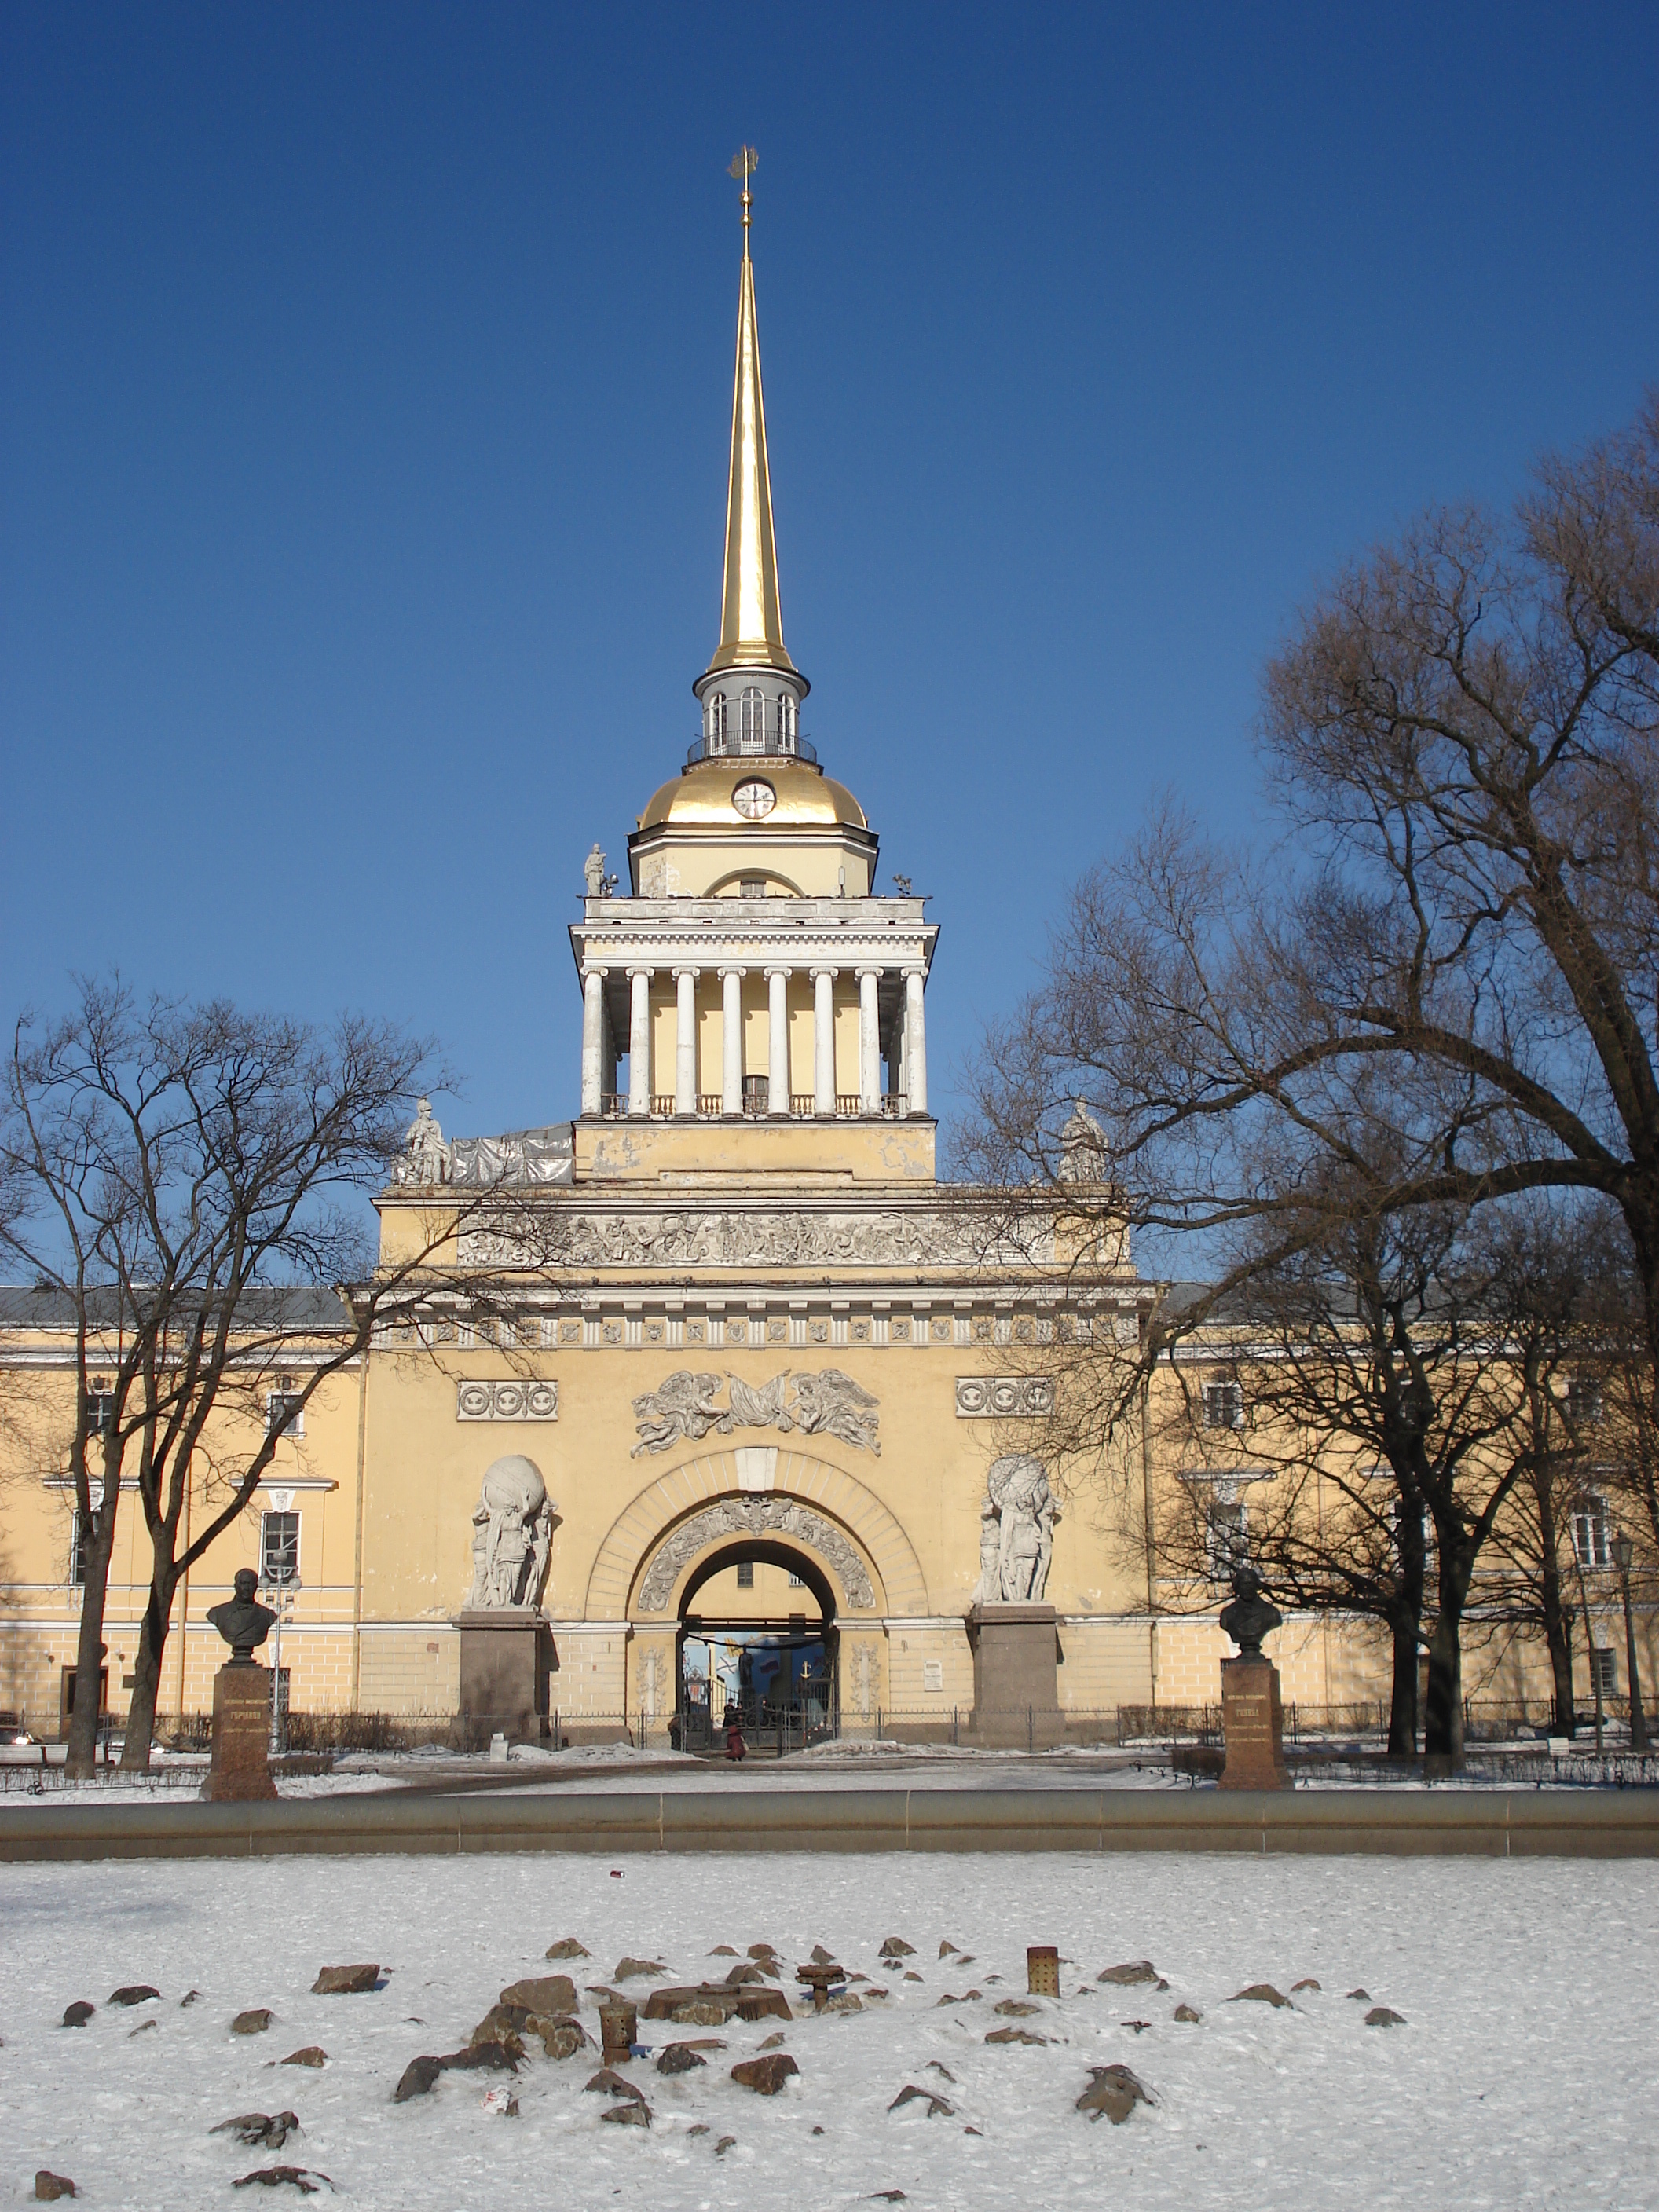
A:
(1522, 2078)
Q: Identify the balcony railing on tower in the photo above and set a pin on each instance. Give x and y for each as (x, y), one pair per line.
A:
(892, 1105)
(732, 743)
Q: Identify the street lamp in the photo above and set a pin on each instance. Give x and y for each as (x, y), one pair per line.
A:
(282, 1588)
(1622, 1548)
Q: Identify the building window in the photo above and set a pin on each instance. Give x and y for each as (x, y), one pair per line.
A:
(1592, 1534)
(285, 1413)
(752, 735)
(716, 714)
(279, 1547)
(101, 1409)
(1584, 1400)
(1399, 1512)
(746, 1574)
(1604, 1671)
(82, 1532)
(1224, 1405)
(753, 886)
(787, 710)
(757, 1091)
(1225, 1538)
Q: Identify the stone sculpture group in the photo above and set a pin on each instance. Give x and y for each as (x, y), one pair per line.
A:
(512, 1534)
(1016, 1533)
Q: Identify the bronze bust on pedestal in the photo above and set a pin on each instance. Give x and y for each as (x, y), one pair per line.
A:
(1249, 1617)
(242, 1620)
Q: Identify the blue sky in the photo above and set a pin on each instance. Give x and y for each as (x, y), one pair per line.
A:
(364, 392)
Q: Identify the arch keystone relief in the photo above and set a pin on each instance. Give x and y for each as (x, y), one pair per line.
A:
(755, 1516)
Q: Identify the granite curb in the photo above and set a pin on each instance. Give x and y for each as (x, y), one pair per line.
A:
(1502, 1824)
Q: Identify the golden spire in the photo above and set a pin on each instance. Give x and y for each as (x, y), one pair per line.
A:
(751, 628)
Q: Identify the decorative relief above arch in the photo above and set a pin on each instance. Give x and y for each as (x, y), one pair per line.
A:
(755, 1516)
(834, 1505)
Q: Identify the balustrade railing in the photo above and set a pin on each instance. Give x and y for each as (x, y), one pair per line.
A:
(892, 1105)
(733, 744)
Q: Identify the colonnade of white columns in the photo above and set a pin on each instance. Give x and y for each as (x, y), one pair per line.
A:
(596, 1059)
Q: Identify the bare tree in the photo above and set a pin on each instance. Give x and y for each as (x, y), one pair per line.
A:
(1461, 742)
(187, 1186)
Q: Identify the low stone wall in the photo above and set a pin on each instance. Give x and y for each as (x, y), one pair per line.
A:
(1537, 1823)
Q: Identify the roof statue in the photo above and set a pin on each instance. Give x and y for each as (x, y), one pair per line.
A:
(1081, 1147)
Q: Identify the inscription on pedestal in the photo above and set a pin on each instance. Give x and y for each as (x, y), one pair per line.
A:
(1253, 1726)
(241, 1735)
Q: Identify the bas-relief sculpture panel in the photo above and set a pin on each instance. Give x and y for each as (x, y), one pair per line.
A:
(506, 1401)
(827, 1403)
(878, 1238)
(755, 1516)
(988, 1397)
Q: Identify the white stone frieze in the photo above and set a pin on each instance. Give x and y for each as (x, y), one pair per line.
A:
(1004, 1397)
(681, 1236)
(506, 1401)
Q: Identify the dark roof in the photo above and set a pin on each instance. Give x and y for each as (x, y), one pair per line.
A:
(305, 1308)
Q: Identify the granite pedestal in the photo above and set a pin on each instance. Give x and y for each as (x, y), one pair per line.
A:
(1252, 1725)
(241, 1733)
(1016, 1694)
(506, 1654)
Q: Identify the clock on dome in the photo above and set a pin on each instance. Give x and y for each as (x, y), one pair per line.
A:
(754, 799)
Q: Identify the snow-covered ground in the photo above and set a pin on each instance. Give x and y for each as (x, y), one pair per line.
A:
(1522, 2078)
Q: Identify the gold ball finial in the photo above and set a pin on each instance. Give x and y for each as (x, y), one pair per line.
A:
(743, 165)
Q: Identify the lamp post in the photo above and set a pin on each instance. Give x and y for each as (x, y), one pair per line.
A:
(282, 1587)
(1621, 1548)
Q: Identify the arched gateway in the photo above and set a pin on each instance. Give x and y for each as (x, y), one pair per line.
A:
(676, 1539)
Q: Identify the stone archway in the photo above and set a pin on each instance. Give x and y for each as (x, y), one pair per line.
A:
(668, 1526)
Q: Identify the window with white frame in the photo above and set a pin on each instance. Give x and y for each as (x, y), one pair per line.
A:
(1399, 1513)
(752, 729)
(279, 1547)
(746, 1574)
(82, 1529)
(1224, 1405)
(1583, 1400)
(1604, 1670)
(788, 710)
(715, 711)
(101, 1407)
(1226, 1536)
(285, 1413)
(1592, 1532)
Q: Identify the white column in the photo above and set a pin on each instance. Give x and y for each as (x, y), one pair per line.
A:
(592, 1039)
(639, 1042)
(777, 1056)
(731, 1041)
(823, 1039)
(685, 1043)
(915, 1045)
(869, 1042)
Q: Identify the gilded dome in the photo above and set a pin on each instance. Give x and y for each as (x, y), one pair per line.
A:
(703, 797)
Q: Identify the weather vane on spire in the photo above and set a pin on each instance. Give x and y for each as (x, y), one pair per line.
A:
(743, 164)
